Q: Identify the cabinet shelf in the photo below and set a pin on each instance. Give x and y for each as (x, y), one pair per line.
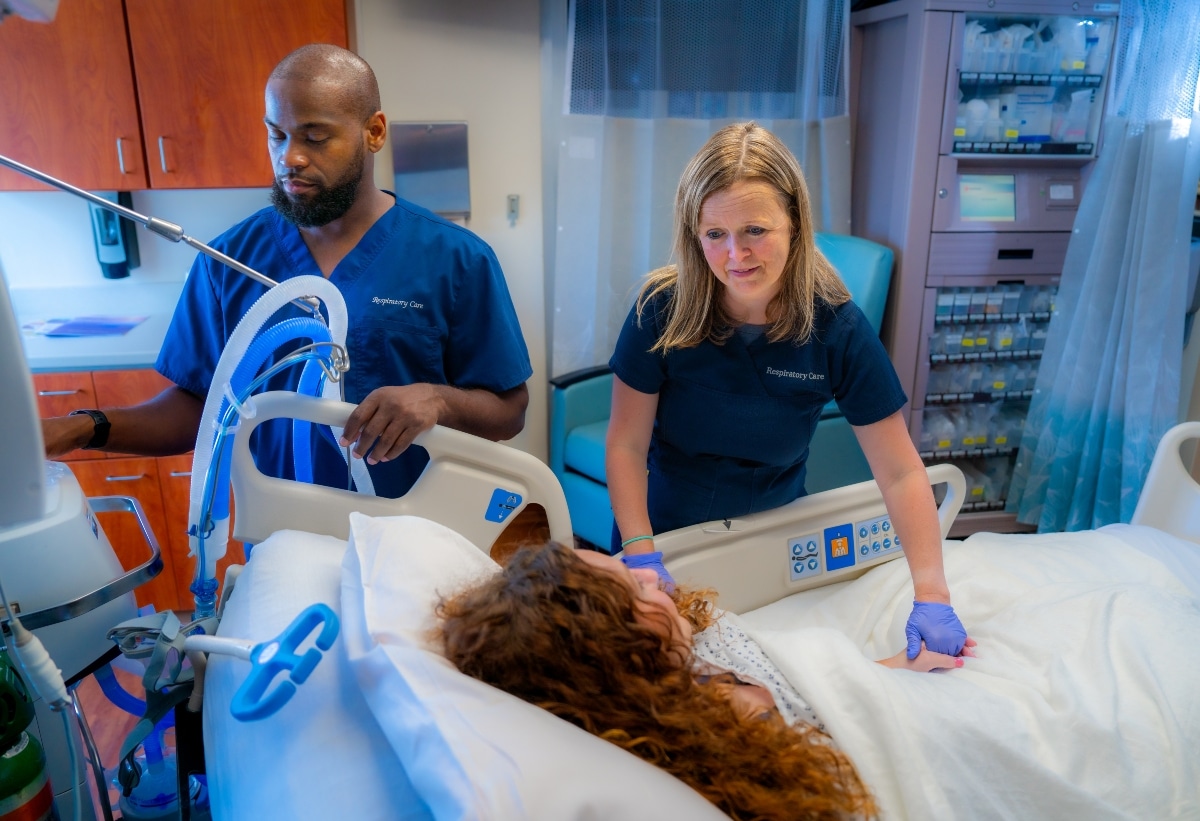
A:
(975, 147)
(975, 318)
(983, 356)
(1010, 78)
(965, 453)
(976, 397)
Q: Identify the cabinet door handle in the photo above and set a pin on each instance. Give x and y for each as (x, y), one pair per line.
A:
(70, 392)
(131, 478)
(162, 154)
(121, 155)
(179, 474)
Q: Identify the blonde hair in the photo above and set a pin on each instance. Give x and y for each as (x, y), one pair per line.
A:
(738, 153)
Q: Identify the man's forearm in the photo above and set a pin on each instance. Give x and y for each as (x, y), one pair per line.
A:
(163, 426)
(482, 413)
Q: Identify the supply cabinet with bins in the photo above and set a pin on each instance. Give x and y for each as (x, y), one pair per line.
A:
(975, 125)
(161, 485)
(979, 364)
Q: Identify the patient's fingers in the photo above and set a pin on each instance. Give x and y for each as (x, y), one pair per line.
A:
(968, 647)
(927, 660)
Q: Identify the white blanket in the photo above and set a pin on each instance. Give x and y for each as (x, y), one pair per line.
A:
(1084, 701)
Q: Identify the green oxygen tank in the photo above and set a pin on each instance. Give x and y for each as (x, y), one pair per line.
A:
(25, 793)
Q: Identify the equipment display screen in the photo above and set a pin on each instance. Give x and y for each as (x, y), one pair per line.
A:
(987, 197)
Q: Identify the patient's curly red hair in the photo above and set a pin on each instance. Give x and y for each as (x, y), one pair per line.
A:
(563, 635)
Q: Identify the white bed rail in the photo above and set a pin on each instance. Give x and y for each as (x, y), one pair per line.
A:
(816, 540)
(471, 485)
(1170, 498)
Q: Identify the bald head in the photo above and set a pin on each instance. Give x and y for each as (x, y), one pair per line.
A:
(339, 73)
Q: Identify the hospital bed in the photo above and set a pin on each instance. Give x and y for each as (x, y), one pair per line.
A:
(1082, 701)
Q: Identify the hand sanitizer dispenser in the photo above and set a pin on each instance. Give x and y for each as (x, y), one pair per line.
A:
(115, 237)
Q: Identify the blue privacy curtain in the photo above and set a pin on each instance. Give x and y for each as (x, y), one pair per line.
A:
(1108, 386)
(637, 87)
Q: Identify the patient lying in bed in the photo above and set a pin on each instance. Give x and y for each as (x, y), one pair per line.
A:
(666, 677)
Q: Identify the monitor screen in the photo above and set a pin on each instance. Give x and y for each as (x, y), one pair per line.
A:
(987, 197)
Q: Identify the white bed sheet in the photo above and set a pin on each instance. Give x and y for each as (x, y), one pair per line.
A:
(1084, 701)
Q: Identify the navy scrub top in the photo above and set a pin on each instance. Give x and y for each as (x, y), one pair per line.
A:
(426, 302)
(734, 420)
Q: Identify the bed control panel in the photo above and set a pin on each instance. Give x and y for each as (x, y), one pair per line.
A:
(825, 538)
(842, 546)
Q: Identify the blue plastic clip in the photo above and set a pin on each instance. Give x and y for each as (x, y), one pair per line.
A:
(252, 702)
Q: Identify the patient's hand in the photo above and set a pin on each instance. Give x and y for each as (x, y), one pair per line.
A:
(926, 660)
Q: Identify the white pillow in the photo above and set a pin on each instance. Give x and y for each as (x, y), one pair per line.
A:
(325, 734)
(470, 750)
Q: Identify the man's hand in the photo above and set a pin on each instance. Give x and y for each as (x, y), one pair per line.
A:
(389, 419)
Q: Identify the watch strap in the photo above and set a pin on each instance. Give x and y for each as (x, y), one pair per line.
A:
(99, 432)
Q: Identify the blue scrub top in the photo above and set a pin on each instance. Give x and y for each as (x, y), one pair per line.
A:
(734, 420)
(426, 301)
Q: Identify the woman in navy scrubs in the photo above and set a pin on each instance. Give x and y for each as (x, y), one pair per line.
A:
(728, 357)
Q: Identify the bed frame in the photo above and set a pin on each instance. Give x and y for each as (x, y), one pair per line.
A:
(471, 485)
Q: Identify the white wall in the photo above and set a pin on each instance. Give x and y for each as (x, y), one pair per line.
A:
(46, 237)
(471, 60)
(477, 61)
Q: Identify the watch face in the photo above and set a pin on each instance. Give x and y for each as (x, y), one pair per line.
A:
(100, 431)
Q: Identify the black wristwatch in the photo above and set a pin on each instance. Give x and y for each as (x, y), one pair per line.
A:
(100, 432)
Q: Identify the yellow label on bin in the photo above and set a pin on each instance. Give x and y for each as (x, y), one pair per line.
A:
(968, 342)
(1078, 65)
(943, 444)
(1000, 440)
(998, 385)
(1011, 133)
(960, 132)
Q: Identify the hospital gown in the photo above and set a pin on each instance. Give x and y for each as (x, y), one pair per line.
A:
(725, 645)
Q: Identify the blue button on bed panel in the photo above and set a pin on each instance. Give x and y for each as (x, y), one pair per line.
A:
(503, 503)
(839, 547)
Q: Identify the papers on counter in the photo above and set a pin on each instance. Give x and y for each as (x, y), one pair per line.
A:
(83, 326)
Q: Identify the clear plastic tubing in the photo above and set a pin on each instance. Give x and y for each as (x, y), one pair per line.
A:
(235, 349)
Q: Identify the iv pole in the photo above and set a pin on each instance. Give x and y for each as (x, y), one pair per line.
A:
(163, 228)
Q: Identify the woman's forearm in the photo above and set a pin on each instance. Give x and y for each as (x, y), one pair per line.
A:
(627, 486)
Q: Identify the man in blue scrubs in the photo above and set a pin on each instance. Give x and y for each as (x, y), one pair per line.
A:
(433, 337)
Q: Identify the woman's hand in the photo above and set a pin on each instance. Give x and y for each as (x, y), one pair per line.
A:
(927, 660)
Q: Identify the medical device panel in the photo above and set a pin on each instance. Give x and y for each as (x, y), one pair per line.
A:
(816, 540)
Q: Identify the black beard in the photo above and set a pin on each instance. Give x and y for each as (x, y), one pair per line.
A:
(326, 204)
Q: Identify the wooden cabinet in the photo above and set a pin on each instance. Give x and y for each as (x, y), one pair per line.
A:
(201, 68)
(68, 107)
(161, 485)
(158, 93)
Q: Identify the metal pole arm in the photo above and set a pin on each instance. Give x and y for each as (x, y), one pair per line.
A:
(169, 230)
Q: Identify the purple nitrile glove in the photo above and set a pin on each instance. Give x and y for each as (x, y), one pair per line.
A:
(938, 626)
(654, 562)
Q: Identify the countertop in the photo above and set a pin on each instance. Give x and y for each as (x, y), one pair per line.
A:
(137, 348)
